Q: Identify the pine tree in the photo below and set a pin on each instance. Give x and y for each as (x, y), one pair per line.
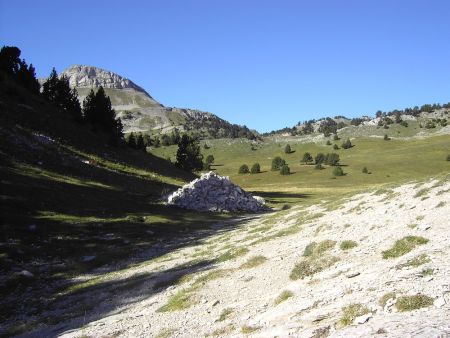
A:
(277, 163)
(243, 169)
(140, 142)
(284, 170)
(287, 149)
(188, 154)
(256, 169)
(306, 158)
(131, 141)
(320, 158)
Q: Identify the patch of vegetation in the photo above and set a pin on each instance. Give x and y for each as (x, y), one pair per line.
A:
(183, 299)
(403, 246)
(337, 171)
(256, 169)
(315, 249)
(347, 245)
(231, 254)
(440, 204)
(246, 329)
(415, 262)
(312, 265)
(285, 295)
(226, 313)
(285, 170)
(350, 312)
(253, 262)
(383, 300)
(422, 192)
(410, 303)
(243, 169)
(427, 272)
(165, 333)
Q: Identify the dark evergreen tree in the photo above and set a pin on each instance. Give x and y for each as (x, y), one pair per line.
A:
(256, 169)
(335, 147)
(277, 163)
(320, 158)
(346, 144)
(140, 142)
(287, 149)
(188, 154)
(284, 170)
(332, 159)
(243, 169)
(307, 158)
(131, 141)
(338, 171)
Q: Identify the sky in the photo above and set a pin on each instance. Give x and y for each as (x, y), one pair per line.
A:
(265, 64)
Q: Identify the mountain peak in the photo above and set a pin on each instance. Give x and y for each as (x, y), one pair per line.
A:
(94, 77)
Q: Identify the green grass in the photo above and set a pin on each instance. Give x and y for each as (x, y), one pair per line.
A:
(165, 333)
(403, 246)
(348, 244)
(383, 300)
(415, 262)
(246, 329)
(410, 303)
(231, 254)
(283, 296)
(225, 314)
(350, 312)
(311, 265)
(253, 262)
(390, 163)
(316, 249)
(181, 300)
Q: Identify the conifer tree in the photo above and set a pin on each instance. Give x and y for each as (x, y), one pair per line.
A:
(188, 154)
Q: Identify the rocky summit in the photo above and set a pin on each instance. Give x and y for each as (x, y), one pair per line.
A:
(212, 192)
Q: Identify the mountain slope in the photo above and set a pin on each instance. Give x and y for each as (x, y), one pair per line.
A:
(140, 112)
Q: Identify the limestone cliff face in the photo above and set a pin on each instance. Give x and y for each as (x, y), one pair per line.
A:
(93, 77)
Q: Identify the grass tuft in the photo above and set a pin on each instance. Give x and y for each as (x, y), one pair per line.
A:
(253, 262)
(283, 296)
(181, 300)
(383, 300)
(403, 246)
(415, 262)
(312, 265)
(347, 245)
(315, 249)
(409, 303)
(226, 313)
(246, 329)
(231, 254)
(350, 312)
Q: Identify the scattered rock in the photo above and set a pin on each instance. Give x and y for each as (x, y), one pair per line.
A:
(439, 302)
(362, 319)
(88, 258)
(319, 318)
(352, 274)
(424, 227)
(212, 192)
(216, 302)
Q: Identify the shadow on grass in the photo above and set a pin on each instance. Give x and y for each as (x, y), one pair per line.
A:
(58, 225)
(277, 197)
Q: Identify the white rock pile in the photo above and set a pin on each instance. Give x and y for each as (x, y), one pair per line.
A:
(212, 192)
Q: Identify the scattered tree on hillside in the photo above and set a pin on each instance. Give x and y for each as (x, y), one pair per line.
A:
(208, 162)
(320, 158)
(243, 169)
(448, 157)
(332, 159)
(328, 127)
(140, 142)
(328, 143)
(284, 170)
(188, 154)
(17, 69)
(335, 147)
(287, 149)
(277, 163)
(365, 171)
(307, 158)
(335, 137)
(256, 169)
(131, 140)
(346, 144)
(338, 171)
(386, 137)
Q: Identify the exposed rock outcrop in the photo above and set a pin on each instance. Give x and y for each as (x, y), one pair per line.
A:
(212, 192)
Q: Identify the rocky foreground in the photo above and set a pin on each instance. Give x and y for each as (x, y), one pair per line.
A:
(375, 264)
(212, 192)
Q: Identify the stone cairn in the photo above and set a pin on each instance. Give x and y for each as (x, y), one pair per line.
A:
(212, 192)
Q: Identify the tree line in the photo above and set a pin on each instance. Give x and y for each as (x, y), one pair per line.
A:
(95, 111)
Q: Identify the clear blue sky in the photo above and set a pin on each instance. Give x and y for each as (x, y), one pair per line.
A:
(266, 64)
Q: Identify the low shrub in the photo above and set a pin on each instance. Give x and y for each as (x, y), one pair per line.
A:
(285, 170)
(256, 169)
(338, 171)
(243, 169)
(409, 303)
(403, 246)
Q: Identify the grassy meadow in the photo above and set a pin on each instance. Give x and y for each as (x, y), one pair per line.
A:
(393, 161)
